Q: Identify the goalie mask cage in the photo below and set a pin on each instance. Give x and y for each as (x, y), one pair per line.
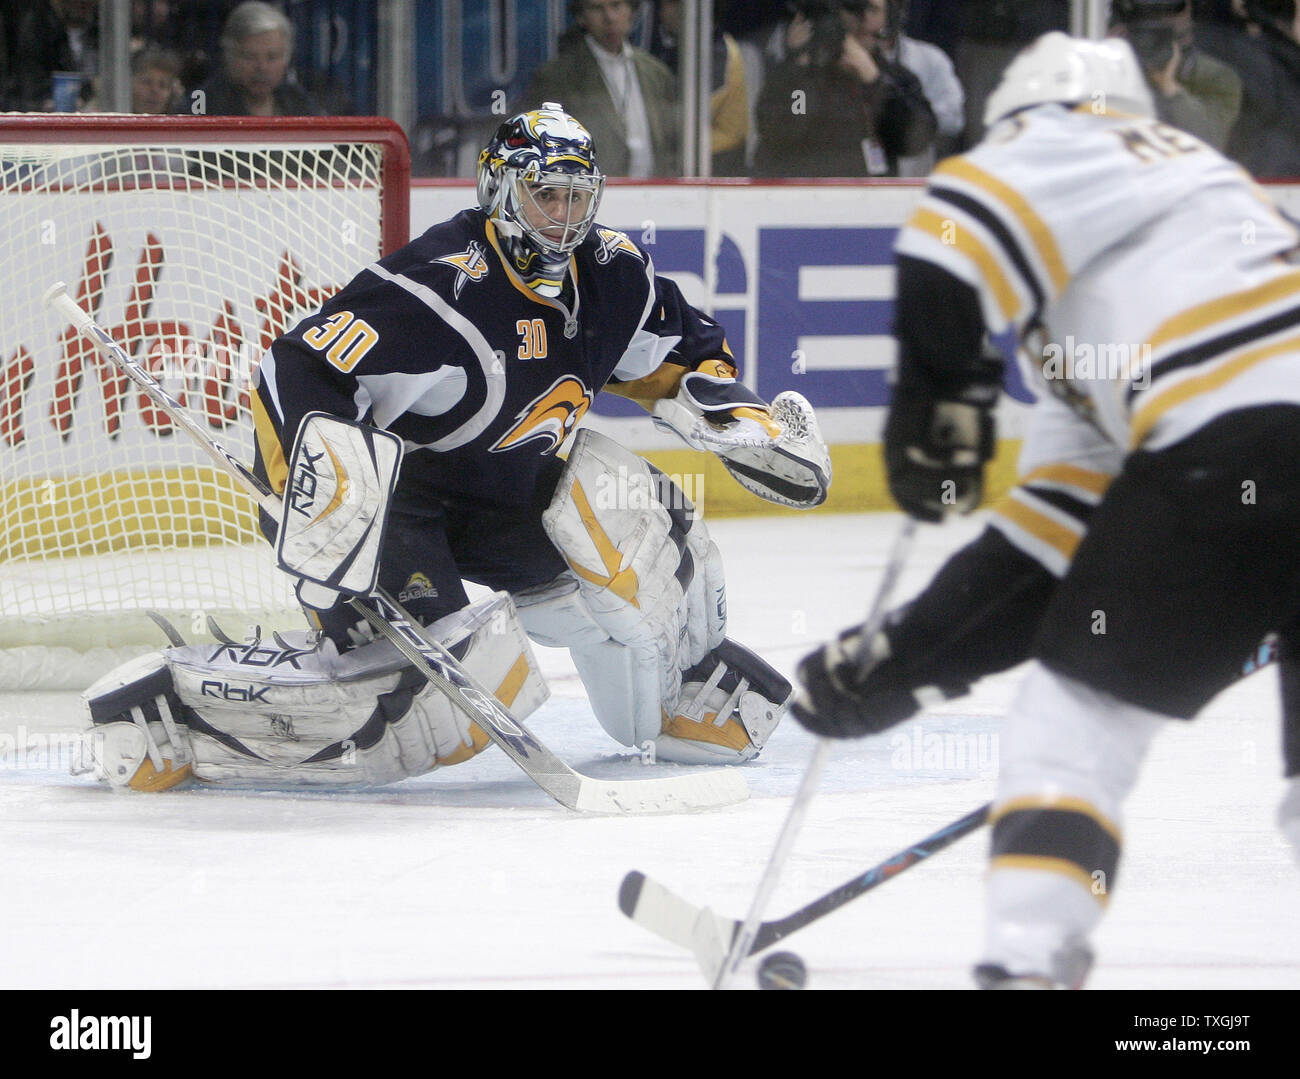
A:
(194, 242)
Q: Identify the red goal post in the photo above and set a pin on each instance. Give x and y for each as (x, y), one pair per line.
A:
(194, 241)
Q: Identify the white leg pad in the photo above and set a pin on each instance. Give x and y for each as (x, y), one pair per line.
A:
(724, 708)
(293, 715)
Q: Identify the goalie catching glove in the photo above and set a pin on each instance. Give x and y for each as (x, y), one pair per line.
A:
(775, 451)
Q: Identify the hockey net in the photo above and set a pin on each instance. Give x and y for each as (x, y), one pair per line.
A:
(194, 243)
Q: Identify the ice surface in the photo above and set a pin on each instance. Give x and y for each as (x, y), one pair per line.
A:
(471, 878)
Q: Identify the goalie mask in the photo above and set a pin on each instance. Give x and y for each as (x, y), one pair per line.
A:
(1061, 69)
(539, 185)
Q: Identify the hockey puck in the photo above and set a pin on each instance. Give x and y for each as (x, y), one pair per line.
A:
(782, 970)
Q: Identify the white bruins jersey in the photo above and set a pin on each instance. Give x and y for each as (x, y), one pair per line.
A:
(1146, 274)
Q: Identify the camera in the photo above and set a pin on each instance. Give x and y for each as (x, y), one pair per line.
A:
(826, 45)
(1149, 27)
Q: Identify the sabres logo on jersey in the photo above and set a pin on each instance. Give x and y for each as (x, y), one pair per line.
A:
(611, 243)
(472, 264)
(551, 415)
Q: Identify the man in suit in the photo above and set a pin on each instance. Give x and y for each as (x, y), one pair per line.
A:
(625, 97)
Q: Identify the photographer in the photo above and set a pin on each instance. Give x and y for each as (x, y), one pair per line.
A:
(833, 107)
(1193, 91)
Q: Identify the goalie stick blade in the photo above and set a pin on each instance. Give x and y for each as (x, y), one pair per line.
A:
(665, 794)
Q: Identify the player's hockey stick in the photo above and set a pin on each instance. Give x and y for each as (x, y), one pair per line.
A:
(567, 786)
(667, 915)
(718, 973)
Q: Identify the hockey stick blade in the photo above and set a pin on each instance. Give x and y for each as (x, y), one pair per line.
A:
(572, 789)
(704, 933)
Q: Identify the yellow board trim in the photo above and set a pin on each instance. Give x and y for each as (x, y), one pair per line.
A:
(74, 516)
(198, 506)
(859, 485)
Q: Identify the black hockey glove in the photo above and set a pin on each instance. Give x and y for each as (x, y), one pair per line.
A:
(937, 443)
(844, 694)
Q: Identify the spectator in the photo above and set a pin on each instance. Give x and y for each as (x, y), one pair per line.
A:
(729, 103)
(1193, 91)
(622, 95)
(832, 107)
(989, 33)
(256, 47)
(50, 36)
(878, 25)
(155, 81)
(1262, 44)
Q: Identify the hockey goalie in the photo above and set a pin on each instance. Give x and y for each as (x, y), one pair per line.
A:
(413, 428)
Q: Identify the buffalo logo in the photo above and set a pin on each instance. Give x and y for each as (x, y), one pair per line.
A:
(551, 415)
(418, 586)
(472, 264)
(611, 243)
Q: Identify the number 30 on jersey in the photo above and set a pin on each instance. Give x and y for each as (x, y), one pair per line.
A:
(343, 338)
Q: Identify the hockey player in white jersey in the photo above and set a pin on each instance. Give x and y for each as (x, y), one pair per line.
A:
(1150, 286)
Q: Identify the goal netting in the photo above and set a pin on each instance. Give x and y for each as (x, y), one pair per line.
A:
(194, 243)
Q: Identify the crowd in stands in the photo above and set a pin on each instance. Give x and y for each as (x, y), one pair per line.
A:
(800, 88)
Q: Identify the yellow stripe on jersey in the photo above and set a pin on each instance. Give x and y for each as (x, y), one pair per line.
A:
(1224, 308)
(1151, 411)
(928, 221)
(1055, 534)
(1039, 234)
(1086, 480)
(277, 469)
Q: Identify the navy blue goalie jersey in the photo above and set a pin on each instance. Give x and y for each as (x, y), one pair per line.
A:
(443, 344)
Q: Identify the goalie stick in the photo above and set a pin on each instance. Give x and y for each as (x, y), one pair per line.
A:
(570, 788)
(709, 935)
